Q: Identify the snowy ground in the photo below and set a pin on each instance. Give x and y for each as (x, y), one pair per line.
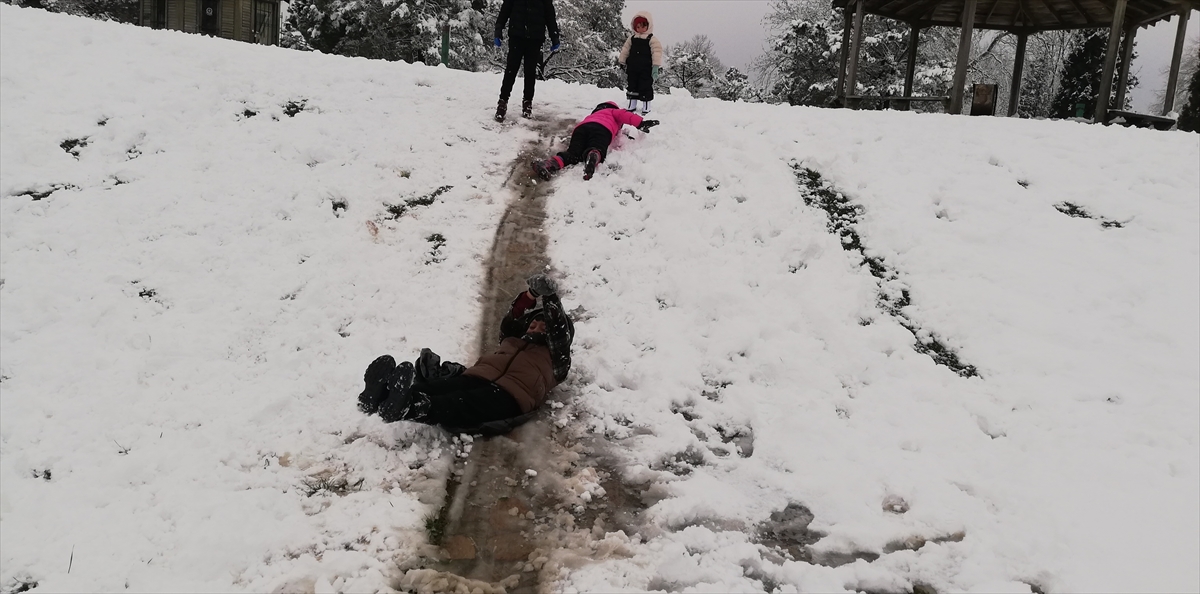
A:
(191, 289)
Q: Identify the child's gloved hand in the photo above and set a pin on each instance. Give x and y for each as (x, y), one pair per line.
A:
(654, 73)
(541, 285)
(498, 42)
(646, 125)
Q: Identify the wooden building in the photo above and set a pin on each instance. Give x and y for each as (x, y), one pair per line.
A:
(253, 21)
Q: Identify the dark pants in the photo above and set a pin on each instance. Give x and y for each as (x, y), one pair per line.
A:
(459, 402)
(586, 137)
(640, 84)
(521, 50)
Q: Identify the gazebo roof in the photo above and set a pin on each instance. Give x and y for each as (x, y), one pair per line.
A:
(1025, 15)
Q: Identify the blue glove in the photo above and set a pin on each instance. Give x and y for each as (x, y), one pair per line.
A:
(498, 42)
(654, 73)
(555, 47)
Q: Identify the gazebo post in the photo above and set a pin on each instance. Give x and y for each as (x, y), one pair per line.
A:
(914, 39)
(1173, 75)
(855, 45)
(964, 56)
(847, 14)
(1123, 73)
(1110, 62)
(1014, 91)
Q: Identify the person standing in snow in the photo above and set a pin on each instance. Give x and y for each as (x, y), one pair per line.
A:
(641, 56)
(528, 21)
(501, 391)
(591, 138)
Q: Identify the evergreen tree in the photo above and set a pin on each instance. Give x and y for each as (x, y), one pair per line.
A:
(692, 65)
(802, 62)
(732, 86)
(1080, 80)
(1189, 116)
(121, 11)
(1037, 88)
(408, 30)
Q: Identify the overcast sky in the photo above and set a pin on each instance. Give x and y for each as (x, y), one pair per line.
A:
(736, 30)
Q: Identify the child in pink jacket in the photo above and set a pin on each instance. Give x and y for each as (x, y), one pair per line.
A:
(591, 138)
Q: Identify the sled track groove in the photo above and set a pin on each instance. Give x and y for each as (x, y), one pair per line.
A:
(509, 512)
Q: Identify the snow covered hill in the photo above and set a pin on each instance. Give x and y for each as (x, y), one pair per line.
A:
(203, 243)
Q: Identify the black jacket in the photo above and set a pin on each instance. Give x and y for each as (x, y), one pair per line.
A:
(528, 20)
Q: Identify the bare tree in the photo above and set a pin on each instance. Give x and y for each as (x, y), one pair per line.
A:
(1187, 68)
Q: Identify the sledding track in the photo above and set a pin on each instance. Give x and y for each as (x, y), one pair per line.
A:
(496, 513)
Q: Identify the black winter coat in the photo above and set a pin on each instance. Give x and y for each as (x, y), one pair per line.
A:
(528, 19)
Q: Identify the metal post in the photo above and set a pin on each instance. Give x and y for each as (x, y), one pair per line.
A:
(1123, 72)
(914, 39)
(847, 14)
(446, 44)
(1014, 91)
(1110, 62)
(1173, 74)
(964, 56)
(855, 47)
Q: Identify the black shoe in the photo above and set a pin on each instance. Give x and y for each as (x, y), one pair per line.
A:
(589, 166)
(376, 379)
(501, 109)
(527, 108)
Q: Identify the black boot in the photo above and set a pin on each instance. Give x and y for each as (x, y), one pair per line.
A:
(401, 379)
(591, 161)
(527, 108)
(399, 394)
(501, 109)
(376, 378)
(545, 169)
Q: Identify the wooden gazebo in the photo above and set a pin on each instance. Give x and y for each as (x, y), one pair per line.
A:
(1020, 17)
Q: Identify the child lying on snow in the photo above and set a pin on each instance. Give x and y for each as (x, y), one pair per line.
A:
(591, 138)
(501, 391)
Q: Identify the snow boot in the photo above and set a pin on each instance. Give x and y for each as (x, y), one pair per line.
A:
(590, 162)
(401, 379)
(545, 169)
(645, 108)
(405, 402)
(527, 108)
(376, 379)
(632, 105)
(501, 109)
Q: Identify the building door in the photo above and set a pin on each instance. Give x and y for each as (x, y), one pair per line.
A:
(210, 17)
(266, 22)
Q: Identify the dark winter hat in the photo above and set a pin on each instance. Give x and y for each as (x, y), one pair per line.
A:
(605, 105)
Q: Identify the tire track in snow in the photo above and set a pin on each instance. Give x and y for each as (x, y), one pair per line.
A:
(893, 295)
